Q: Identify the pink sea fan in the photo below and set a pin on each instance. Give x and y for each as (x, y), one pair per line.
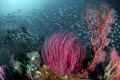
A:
(115, 60)
(114, 55)
(63, 52)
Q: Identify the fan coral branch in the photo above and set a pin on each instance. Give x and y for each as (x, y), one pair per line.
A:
(101, 17)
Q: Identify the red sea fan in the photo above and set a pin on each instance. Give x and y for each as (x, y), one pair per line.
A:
(99, 19)
(63, 52)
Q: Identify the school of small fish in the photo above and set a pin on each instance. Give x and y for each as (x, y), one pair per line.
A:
(37, 24)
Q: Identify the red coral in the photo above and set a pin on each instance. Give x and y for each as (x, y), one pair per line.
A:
(100, 57)
(101, 18)
(62, 52)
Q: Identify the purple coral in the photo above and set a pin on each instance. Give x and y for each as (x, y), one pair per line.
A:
(2, 74)
(5, 73)
(63, 52)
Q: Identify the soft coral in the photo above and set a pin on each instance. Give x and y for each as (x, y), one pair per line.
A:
(115, 59)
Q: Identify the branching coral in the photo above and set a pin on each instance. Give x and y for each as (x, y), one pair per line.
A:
(101, 18)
